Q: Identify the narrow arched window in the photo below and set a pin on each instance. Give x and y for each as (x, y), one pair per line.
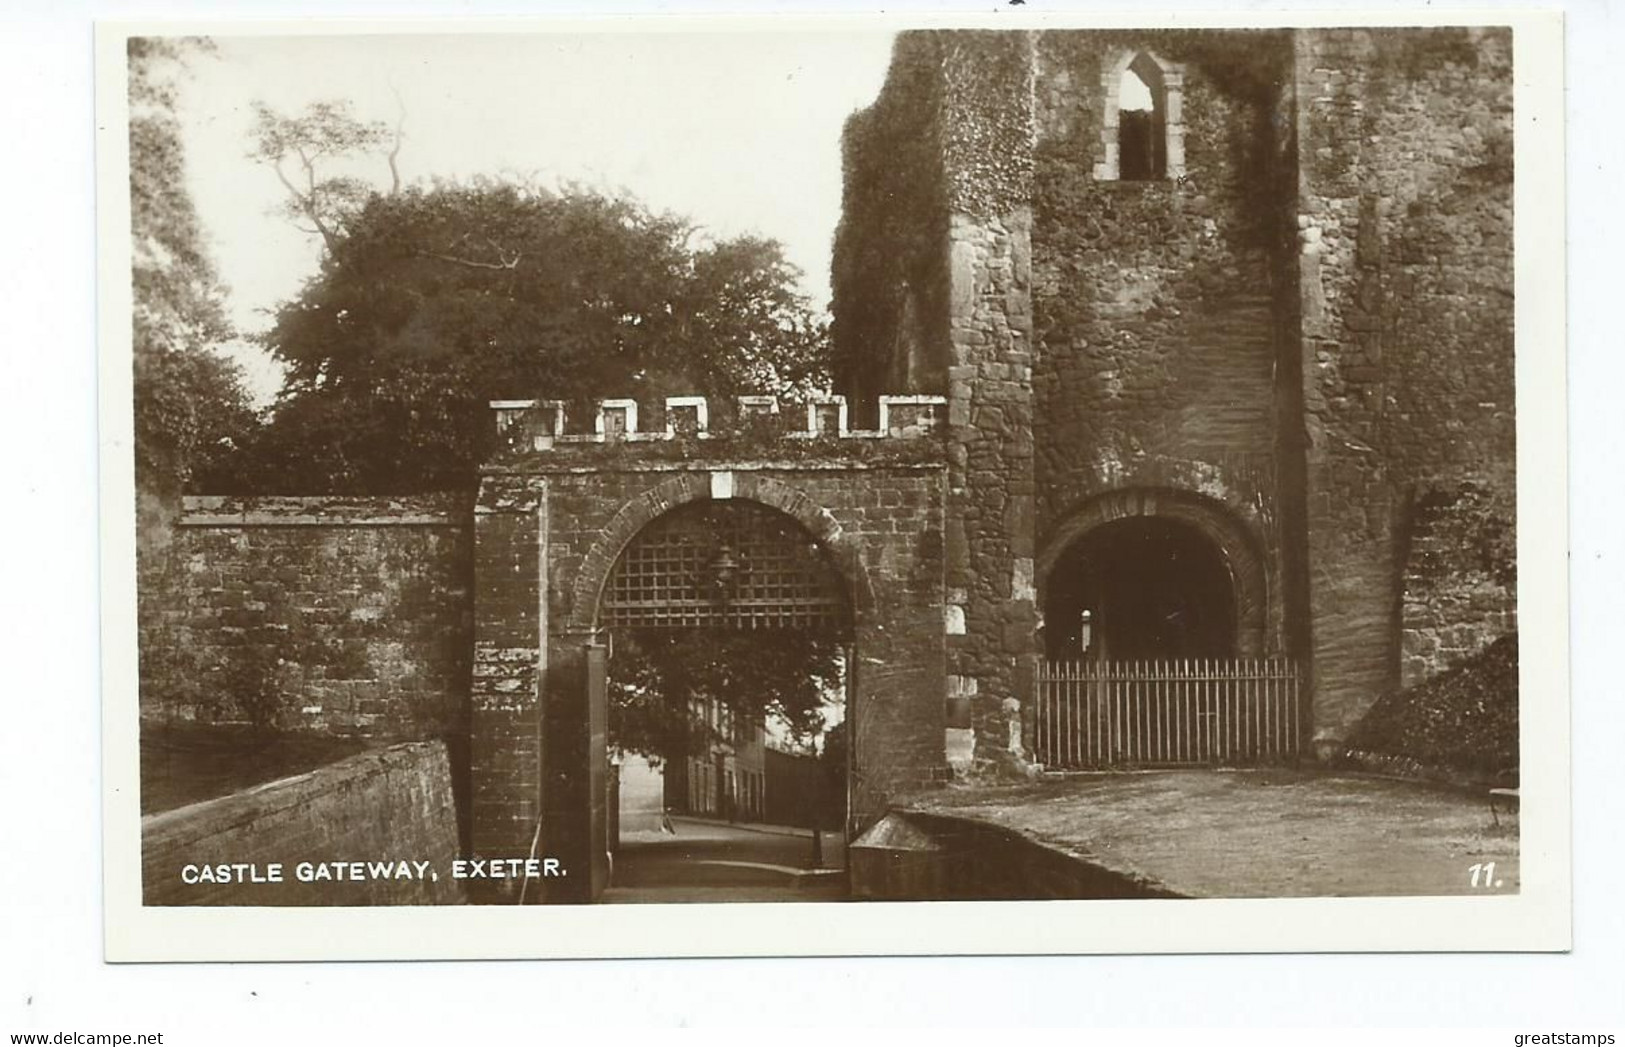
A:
(1142, 127)
(1142, 135)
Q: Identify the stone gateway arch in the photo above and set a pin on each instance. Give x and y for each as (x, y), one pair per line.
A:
(554, 517)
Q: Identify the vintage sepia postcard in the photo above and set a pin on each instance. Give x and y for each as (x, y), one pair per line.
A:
(816, 486)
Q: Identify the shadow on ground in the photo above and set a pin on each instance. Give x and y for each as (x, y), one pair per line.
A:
(707, 861)
(1257, 834)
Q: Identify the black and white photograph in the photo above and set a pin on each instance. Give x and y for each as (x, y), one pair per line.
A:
(1090, 473)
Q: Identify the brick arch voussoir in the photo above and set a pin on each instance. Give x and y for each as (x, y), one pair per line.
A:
(1221, 524)
(638, 513)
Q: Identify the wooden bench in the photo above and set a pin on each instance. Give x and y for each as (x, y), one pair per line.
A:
(1500, 797)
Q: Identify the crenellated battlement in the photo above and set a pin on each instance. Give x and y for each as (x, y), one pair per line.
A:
(541, 425)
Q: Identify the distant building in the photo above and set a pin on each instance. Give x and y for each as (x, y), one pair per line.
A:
(727, 780)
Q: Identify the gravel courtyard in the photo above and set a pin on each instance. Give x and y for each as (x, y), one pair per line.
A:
(1251, 834)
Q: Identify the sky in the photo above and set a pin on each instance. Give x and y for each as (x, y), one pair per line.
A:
(738, 132)
(1132, 92)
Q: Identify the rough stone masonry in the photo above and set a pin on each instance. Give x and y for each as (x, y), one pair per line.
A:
(1295, 336)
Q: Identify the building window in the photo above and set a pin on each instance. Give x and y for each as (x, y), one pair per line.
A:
(1142, 133)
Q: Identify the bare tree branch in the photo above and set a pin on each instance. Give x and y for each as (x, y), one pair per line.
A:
(395, 150)
(307, 203)
(502, 266)
(325, 130)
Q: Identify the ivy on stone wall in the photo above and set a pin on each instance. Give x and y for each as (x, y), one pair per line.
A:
(988, 130)
(1148, 294)
(1480, 521)
(1415, 53)
(888, 260)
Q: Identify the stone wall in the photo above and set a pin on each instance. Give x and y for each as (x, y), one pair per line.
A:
(1307, 323)
(389, 805)
(913, 855)
(1103, 336)
(954, 241)
(509, 660)
(1158, 335)
(1154, 320)
(988, 136)
(801, 790)
(342, 615)
(1460, 589)
(1405, 271)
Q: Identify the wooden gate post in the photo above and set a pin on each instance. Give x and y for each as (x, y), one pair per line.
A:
(596, 767)
(575, 791)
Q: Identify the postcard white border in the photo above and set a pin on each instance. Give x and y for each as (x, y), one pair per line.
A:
(1537, 919)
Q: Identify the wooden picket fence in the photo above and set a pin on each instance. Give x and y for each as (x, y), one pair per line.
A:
(1166, 712)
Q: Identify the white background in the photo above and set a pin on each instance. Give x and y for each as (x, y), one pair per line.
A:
(51, 974)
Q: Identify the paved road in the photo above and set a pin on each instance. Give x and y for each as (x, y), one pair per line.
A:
(717, 862)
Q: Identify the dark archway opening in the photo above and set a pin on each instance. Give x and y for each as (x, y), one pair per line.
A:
(731, 641)
(1140, 587)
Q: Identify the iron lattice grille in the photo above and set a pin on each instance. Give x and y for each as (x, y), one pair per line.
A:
(729, 564)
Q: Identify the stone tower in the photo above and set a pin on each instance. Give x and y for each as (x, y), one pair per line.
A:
(1225, 324)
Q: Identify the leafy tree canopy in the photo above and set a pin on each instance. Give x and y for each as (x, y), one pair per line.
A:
(657, 674)
(190, 404)
(431, 302)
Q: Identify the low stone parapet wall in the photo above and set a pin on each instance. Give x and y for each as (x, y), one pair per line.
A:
(378, 828)
(541, 425)
(914, 856)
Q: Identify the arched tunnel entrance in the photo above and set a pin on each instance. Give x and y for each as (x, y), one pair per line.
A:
(731, 637)
(1141, 587)
(1154, 607)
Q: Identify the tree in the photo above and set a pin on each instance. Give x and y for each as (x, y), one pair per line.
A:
(297, 148)
(430, 302)
(779, 674)
(190, 405)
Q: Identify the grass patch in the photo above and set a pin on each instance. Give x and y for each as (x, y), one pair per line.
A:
(189, 763)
